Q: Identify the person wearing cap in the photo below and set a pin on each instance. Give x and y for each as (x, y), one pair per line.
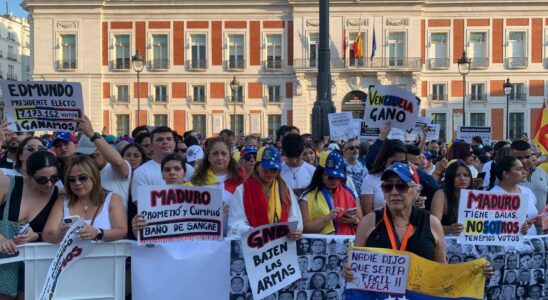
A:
(264, 197)
(64, 146)
(400, 225)
(194, 154)
(327, 205)
(430, 157)
(115, 171)
(295, 172)
(248, 156)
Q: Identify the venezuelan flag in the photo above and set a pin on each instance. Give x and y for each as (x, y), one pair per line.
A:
(428, 280)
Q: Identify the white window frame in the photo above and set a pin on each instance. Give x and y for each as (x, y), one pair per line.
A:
(153, 94)
(112, 52)
(266, 33)
(485, 116)
(115, 91)
(267, 92)
(308, 44)
(479, 29)
(59, 47)
(206, 120)
(188, 48)
(204, 85)
(366, 52)
(117, 130)
(526, 122)
(507, 32)
(166, 114)
(226, 47)
(150, 51)
(446, 90)
(469, 89)
(448, 47)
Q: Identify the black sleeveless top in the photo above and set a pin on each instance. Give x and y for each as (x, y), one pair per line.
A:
(39, 222)
(420, 243)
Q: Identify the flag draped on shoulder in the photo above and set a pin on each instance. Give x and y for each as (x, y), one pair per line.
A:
(541, 130)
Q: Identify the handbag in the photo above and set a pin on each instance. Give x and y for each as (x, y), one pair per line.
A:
(8, 272)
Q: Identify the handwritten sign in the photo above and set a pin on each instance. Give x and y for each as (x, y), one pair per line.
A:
(176, 213)
(341, 126)
(270, 258)
(433, 129)
(357, 126)
(391, 104)
(491, 218)
(71, 249)
(468, 132)
(42, 105)
(378, 272)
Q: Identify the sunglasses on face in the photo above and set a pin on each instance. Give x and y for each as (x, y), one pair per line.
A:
(401, 187)
(42, 180)
(353, 148)
(250, 156)
(81, 179)
(32, 148)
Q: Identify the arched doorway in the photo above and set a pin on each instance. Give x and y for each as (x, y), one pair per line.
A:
(354, 101)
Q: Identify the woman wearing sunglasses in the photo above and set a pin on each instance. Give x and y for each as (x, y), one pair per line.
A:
(327, 205)
(264, 197)
(445, 204)
(102, 211)
(400, 225)
(26, 148)
(24, 200)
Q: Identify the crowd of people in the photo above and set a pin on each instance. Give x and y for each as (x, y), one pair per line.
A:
(388, 193)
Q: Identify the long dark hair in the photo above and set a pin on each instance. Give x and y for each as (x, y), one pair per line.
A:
(284, 189)
(199, 177)
(39, 160)
(18, 163)
(502, 152)
(316, 183)
(449, 190)
(502, 165)
(459, 150)
(388, 148)
(139, 148)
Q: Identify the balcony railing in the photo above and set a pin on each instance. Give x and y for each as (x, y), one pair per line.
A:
(518, 97)
(438, 63)
(437, 97)
(197, 64)
(198, 98)
(235, 64)
(12, 77)
(237, 100)
(121, 64)
(477, 97)
(366, 63)
(66, 65)
(158, 98)
(119, 98)
(479, 62)
(516, 62)
(274, 99)
(158, 64)
(275, 64)
(12, 57)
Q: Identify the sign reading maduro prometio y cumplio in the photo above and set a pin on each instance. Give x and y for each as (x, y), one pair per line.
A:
(177, 212)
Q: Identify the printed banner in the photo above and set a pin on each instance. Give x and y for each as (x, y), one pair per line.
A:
(357, 126)
(270, 259)
(378, 272)
(42, 105)
(391, 104)
(433, 129)
(71, 249)
(341, 126)
(177, 212)
(468, 132)
(431, 280)
(491, 218)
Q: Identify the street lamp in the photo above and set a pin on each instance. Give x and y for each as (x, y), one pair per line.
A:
(464, 69)
(507, 91)
(138, 64)
(234, 85)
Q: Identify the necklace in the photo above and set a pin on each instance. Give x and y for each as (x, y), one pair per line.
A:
(402, 225)
(86, 208)
(294, 172)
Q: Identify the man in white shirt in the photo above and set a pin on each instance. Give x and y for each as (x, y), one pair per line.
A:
(150, 173)
(295, 172)
(355, 170)
(114, 169)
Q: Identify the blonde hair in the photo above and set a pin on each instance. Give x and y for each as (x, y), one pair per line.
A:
(98, 194)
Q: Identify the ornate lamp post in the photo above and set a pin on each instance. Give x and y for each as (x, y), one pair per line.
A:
(507, 91)
(234, 85)
(464, 69)
(138, 65)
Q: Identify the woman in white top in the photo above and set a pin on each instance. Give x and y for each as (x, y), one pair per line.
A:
(509, 171)
(390, 152)
(102, 211)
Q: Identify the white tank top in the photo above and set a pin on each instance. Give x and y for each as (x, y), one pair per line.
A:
(103, 217)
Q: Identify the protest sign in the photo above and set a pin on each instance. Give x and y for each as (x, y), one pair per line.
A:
(391, 104)
(42, 105)
(378, 272)
(177, 212)
(357, 124)
(466, 133)
(270, 258)
(433, 129)
(491, 218)
(71, 249)
(341, 126)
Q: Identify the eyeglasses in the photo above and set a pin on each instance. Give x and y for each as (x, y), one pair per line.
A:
(42, 180)
(32, 148)
(248, 157)
(81, 179)
(401, 187)
(353, 148)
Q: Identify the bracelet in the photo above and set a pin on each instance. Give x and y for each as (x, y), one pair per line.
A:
(39, 239)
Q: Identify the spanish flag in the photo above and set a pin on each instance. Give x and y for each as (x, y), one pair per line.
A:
(429, 280)
(541, 130)
(357, 46)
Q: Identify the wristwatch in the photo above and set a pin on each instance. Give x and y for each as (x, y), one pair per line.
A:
(95, 136)
(100, 234)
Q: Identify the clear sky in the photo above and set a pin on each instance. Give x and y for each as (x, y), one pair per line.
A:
(14, 7)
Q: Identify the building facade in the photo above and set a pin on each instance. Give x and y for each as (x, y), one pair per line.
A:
(15, 61)
(194, 49)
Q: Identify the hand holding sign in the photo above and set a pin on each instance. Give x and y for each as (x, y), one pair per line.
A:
(391, 103)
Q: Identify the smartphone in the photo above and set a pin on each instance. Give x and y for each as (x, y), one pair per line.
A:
(351, 211)
(71, 219)
(24, 229)
(481, 175)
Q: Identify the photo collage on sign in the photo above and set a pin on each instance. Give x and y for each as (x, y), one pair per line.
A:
(320, 264)
(520, 273)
